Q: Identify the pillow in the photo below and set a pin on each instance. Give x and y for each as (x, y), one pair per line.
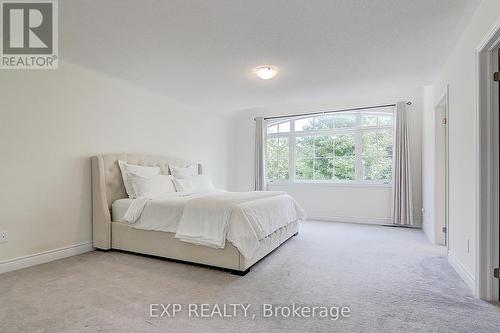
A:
(198, 183)
(139, 170)
(150, 186)
(184, 172)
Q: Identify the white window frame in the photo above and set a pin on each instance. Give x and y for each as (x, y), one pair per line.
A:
(357, 131)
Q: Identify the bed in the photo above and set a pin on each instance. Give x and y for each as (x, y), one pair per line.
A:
(113, 233)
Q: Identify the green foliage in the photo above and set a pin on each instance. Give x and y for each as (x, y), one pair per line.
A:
(325, 157)
(344, 168)
(377, 155)
(344, 120)
(277, 158)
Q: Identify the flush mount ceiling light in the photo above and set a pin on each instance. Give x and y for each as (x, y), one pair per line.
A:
(266, 72)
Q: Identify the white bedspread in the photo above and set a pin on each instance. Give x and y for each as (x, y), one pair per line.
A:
(243, 218)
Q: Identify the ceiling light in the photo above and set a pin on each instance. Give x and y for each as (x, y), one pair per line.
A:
(266, 72)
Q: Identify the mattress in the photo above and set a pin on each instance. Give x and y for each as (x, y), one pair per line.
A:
(119, 208)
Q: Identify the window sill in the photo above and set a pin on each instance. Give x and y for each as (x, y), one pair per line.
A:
(327, 184)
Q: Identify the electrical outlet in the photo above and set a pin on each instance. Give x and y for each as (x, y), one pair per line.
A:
(4, 236)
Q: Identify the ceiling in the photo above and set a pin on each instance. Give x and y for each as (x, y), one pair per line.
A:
(202, 52)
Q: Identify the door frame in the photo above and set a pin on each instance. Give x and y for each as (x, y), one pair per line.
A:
(486, 118)
(442, 105)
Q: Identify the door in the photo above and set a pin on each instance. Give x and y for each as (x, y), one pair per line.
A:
(441, 171)
(497, 191)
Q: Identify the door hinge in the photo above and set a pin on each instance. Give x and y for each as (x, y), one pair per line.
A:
(444, 121)
(496, 76)
(496, 273)
(444, 229)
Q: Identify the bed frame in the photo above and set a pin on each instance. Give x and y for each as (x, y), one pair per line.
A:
(107, 186)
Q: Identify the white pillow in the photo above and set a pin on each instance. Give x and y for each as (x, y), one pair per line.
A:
(198, 183)
(138, 170)
(184, 172)
(150, 186)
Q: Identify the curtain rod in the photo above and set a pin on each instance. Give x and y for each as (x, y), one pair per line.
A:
(333, 111)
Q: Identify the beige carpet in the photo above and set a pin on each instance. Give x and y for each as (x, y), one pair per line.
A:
(392, 279)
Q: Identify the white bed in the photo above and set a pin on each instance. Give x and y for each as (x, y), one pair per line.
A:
(216, 228)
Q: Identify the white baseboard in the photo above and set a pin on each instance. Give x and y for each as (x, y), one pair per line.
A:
(43, 257)
(462, 271)
(351, 219)
(360, 220)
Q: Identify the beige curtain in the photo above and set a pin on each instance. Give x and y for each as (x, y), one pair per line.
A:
(402, 205)
(260, 154)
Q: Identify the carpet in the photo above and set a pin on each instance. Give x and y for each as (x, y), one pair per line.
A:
(391, 279)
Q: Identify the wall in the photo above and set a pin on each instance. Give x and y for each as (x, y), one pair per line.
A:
(51, 122)
(428, 164)
(459, 72)
(367, 204)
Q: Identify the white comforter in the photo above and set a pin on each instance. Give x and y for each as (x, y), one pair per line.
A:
(243, 218)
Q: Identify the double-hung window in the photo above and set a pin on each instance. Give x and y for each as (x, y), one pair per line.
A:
(341, 147)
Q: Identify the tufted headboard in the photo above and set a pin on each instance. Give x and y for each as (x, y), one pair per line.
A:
(107, 186)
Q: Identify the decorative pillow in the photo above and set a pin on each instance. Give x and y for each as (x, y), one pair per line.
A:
(198, 183)
(184, 172)
(138, 170)
(150, 186)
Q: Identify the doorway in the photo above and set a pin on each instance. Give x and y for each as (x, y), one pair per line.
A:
(441, 168)
(488, 175)
(496, 161)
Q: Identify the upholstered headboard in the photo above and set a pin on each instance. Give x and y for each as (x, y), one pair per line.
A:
(107, 186)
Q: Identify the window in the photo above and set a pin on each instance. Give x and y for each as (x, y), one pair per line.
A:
(347, 147)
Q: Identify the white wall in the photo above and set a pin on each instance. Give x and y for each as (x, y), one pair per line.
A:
(51, 122)
(428, 163)
(459, 73)
(342, 203)
(368, 204)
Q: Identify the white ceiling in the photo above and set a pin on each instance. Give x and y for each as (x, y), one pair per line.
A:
(202, 52)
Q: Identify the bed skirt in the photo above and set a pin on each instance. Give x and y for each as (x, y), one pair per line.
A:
(164, 244)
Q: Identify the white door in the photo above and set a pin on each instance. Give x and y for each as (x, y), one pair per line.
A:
(441, 177)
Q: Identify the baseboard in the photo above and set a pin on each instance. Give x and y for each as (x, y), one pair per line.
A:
(43, 257)
(351, 219)
(462, 271)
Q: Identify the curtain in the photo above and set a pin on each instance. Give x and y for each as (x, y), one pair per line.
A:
(402, 206)
(260, 154)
